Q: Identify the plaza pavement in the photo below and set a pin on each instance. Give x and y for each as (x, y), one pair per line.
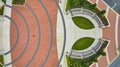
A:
(108, 33)
(32, 44)
(5, 33)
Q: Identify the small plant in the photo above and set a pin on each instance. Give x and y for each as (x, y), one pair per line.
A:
(103, 53)
(102, 12)
(93, 6)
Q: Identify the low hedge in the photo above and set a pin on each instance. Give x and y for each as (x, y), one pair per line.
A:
(1, 10)
(2, 59)
(18, 2)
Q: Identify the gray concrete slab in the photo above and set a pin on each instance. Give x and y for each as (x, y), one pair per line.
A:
(114, 4)
(116, 62)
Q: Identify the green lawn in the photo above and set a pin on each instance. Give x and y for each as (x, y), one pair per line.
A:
(1, 60)
(83, 43)
(75, 3)
(83, 22)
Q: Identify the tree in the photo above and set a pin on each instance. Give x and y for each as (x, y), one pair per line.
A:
(93, 6)
(76, 2)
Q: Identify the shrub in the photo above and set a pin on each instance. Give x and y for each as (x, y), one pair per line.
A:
(102, 12)
(19, 2)
(103, 53)
(1, 10)
(1, 59)
(93, 6)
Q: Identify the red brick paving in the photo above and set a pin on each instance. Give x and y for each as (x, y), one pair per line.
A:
(23, 36)
(94, 1)
(109, 33)
(102, 62)
(119, 32)
(94, 65)
(53, 13)
(45, 32)
(101, 5)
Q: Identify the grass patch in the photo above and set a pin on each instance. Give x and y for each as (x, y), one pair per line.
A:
(83, 22)
(1, 60)
(83, 43)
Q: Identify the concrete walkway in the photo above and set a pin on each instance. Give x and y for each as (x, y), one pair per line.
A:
(7, 11)
(73, 33)
(1, 35)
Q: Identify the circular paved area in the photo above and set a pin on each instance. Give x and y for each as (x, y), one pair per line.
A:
(74, 33)
(29, 34)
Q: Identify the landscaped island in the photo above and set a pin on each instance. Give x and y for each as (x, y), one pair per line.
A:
(79, 56)
(83, 22)
(83, 43)
(86, 62)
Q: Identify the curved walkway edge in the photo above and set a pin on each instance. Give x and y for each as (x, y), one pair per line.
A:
(6, 32)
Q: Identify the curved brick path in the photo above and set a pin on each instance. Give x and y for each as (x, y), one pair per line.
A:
(45, 34)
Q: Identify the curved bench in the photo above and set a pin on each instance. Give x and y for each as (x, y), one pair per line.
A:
(84, 54)
(77, 11)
